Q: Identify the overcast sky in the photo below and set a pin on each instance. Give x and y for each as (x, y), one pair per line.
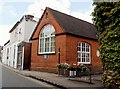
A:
(12, 10)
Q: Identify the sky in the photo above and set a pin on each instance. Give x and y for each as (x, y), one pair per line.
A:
(12, 11)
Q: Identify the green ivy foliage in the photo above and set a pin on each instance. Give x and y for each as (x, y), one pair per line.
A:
(106, 18)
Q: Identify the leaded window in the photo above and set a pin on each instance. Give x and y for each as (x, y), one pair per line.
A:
(47, 39)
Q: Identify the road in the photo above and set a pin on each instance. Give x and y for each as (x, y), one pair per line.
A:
(12, 79)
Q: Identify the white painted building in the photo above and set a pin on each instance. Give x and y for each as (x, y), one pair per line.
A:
(19, 42)
(1, 50)
(6, 53)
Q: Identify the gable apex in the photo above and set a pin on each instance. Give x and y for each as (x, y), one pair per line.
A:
(71, 25)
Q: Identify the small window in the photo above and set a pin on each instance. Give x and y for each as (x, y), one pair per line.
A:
(20, 31)
(46, 16)
(84, 54)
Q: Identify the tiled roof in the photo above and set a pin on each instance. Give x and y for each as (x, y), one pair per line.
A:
(74, 25)
(7, 42)
(14, 27)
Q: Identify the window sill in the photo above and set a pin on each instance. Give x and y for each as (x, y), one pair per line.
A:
(84, 62)
(46, 53)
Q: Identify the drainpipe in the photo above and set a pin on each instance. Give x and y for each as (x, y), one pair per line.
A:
(59, 60)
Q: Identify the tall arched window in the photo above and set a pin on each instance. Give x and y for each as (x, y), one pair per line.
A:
(47, 40)
(84, 53)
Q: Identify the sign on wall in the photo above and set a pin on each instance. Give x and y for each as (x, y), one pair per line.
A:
(45, 56)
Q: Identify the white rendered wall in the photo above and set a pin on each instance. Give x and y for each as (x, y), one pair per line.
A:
(4, 58)
(21, 33)
(29, 28)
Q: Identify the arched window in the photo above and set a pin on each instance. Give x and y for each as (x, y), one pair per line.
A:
(84, 53)
(47, 40)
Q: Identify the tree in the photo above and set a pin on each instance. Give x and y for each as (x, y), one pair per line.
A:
(106, 18)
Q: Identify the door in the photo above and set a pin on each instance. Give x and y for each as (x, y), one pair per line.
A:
(19, 57)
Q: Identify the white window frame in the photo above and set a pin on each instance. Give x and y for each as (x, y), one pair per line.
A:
(81, 52)
(43, 37)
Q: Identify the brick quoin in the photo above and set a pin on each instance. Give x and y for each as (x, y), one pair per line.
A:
(67, 44)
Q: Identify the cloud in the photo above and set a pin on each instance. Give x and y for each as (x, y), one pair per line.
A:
(13, 13)
(4, 33)
(38, 6)
(84, 15)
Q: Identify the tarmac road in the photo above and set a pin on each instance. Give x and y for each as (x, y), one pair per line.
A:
(12, 79)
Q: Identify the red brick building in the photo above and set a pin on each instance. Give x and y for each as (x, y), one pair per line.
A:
(76, 39)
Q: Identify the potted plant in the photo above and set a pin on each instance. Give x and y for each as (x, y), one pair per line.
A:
(82, 67)
(59, 66)
(66, 65)
(65, 68)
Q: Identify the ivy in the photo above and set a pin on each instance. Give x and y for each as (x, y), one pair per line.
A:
(106, 18)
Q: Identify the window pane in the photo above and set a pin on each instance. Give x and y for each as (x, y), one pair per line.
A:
(87, 48)
(52, 44)
(83, 46)
(79, 49)
(87, 57)
(47, 45)
(41, 45)
(79, 55)
(42, 35)
(52, 49)
(52, 39)
(83, 57)
(79, 59)
(83, 49)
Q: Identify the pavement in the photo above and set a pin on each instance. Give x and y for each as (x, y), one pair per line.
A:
(63, 82)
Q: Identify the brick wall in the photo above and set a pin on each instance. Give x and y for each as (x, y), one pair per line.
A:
(68, 53)
(27, 55)
(50, 63)
(67, 45)
(71, 44)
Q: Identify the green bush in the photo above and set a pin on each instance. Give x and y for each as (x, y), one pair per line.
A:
(106, 18)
